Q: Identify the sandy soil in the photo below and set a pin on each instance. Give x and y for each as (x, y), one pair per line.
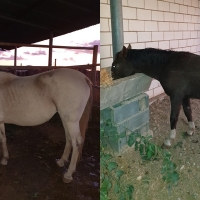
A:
(146, 176)
(32, 173)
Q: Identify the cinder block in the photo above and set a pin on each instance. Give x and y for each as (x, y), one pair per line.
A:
(104, 24)
(187, 49)
(183, 9)
(190, 42)
(163, 26)
(163, 6)
(179, 1)
(136, 25)
(143, 14)
(168, 35)
(194, 19)
(178, 35)
(151, 4)
(154, 84)
(186, 34)
(182, 43)
(178, 17)
(152, 45)
(173, 44)
(157, 15)
(156, 36)
(164, 45)
(191, 27)
(187, 18)
(191, 10)
(137, 45)
(105, 62)
(168, 16)
(174, 7)
(105, 51)
(106, 38)
(196, 27)
(127, 116)
(173, 26)
(136, 3)
(158, 91)
(130, 37)
(149, 93)
(144, 36)
(187, 2)
(105, 10)
(197, 11)
(195, 3)
(151, 26)
(126, 109)
(129, 13)
(125, 25)
(182, 26)
(194, 34)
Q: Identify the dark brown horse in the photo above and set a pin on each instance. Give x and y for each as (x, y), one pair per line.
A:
(178, 73)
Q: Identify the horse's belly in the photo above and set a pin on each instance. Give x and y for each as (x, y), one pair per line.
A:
(30, 116)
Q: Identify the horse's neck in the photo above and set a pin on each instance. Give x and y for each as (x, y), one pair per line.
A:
(151, 61)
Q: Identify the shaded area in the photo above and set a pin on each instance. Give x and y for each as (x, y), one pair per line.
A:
(32, 172)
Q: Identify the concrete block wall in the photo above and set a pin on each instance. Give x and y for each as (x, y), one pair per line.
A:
(164, 24)
(129, 115)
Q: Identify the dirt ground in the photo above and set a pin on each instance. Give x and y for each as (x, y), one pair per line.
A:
(32, 172)
(146, 176)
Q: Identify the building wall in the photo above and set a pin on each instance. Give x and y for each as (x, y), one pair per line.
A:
(164, 24)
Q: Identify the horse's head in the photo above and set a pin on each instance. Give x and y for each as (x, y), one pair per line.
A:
(121, 66)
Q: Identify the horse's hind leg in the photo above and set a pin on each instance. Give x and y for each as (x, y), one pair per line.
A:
(76, 139)
(188, 113)
(175, 110)
(67, 150)
(4, 145)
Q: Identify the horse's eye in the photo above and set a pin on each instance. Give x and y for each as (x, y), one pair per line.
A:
(113, 66)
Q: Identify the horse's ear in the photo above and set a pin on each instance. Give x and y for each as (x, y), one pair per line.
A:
(129, 46)
(123, 52)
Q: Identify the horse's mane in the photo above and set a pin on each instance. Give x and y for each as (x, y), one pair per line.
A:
(151, 56)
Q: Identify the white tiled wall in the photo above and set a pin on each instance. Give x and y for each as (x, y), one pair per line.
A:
(164, 24)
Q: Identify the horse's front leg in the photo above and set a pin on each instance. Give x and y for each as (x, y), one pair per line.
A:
(4, 160)
(188, 113)
(175, 110)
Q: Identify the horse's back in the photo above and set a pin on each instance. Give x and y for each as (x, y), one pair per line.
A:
(35, 99)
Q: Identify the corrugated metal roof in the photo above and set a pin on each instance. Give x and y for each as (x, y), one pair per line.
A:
(30, 21)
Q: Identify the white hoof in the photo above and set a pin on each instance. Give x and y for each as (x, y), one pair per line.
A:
(4, 161)
(60, 163)
(167, 143)
(190, 132)
(67, 179)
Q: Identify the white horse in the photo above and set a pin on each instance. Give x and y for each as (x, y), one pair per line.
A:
(33, 100)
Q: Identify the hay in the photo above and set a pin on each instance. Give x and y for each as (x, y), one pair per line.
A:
(105, 79)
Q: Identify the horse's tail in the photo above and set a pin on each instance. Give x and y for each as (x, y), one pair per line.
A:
(86, 115)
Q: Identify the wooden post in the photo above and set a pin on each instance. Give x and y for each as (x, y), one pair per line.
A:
(94, 62)
(50, 49)
(15, 59)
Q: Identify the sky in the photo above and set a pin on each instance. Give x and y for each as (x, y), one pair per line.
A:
(87, 37)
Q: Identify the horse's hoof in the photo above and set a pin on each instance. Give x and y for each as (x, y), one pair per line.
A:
(189, 133)
(163, 146)
(4, 161)
(67, 180)
(60, 163)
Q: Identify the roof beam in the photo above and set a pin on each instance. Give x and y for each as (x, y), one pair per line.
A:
(27, 23)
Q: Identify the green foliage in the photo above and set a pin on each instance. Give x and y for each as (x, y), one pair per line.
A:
(110, 172)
